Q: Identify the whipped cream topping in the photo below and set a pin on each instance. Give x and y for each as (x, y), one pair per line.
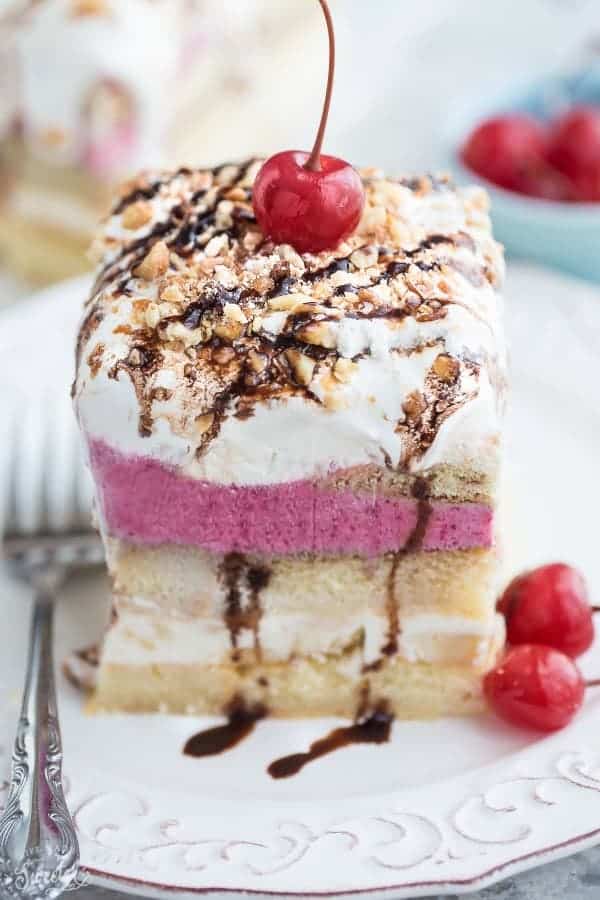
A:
(92, 80)
(206, 346)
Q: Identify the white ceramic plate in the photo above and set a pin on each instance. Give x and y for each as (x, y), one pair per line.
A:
(445, 806)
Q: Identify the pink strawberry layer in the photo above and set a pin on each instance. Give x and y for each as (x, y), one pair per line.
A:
(146, 502)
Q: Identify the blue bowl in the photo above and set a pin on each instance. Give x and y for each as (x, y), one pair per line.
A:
(564, 235)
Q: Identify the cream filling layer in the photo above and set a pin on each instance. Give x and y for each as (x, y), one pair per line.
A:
(140, 639)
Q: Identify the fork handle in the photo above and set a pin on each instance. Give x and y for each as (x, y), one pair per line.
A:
(39, 853)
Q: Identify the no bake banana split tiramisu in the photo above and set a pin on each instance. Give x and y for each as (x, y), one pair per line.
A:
(296, 456)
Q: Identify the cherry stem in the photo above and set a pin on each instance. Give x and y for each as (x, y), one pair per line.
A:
(595, 682)
(595, 609)
(313, 163)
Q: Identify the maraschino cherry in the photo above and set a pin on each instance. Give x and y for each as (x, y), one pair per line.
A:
(535, 686)
(309, 200)
(503, 148)
(574, 145)
(549, 605)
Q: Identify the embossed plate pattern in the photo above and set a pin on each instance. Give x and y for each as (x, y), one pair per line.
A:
(445, 806)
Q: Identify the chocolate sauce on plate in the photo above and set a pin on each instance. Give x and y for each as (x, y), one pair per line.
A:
(375, 729)
(240, 723)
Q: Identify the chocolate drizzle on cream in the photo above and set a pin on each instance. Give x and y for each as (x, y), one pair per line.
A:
(141, 362)
(232, 284)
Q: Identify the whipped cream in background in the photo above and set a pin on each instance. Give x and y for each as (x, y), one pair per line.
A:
(359, 417)
(63, 50)
(52, 209)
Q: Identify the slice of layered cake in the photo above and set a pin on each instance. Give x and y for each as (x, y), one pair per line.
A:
(296, 456)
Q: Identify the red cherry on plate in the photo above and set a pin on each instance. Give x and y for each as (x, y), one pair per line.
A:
(549, 605)
(535, 686)
(309, 200)
(313, 210)
(574, 145)
(501, 147)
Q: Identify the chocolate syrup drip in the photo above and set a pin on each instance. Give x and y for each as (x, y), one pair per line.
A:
(181, 231)
(240, 723)
(214, 296)
(421, 429)
(283, 281)
(91, 321)
(142, 362)
(200, 227)
(346, 289)
(342, 264)
(138, 193)
(241, 577)
(374, 729)
(131, 254)
(420, 491)
(147, 192)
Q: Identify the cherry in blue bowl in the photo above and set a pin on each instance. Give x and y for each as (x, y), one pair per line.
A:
(537, 151)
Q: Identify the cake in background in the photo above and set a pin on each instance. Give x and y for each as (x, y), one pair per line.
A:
(296, 455)
(91, 90)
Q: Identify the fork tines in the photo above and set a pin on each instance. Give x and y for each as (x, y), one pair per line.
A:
(45, 492)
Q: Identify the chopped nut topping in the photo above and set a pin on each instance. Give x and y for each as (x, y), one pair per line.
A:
(155, 264)
(287, 301)
(344, 369)
(172, 293)
(204, 423)
(414, 406)
(234, 313)
(135, 357)
(446, 367)
(152, 315)
(237, 313)
(136, 215)
(167, 310)
(302, 366)
(258, 361)
(89, 7)
(364, 257)
(319, 334)
(236, 194)
(294, 260)
(233, 323)
(223, 355)
(373, 218)
(216, 245)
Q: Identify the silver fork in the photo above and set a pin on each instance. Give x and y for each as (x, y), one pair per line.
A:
(45, 509)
